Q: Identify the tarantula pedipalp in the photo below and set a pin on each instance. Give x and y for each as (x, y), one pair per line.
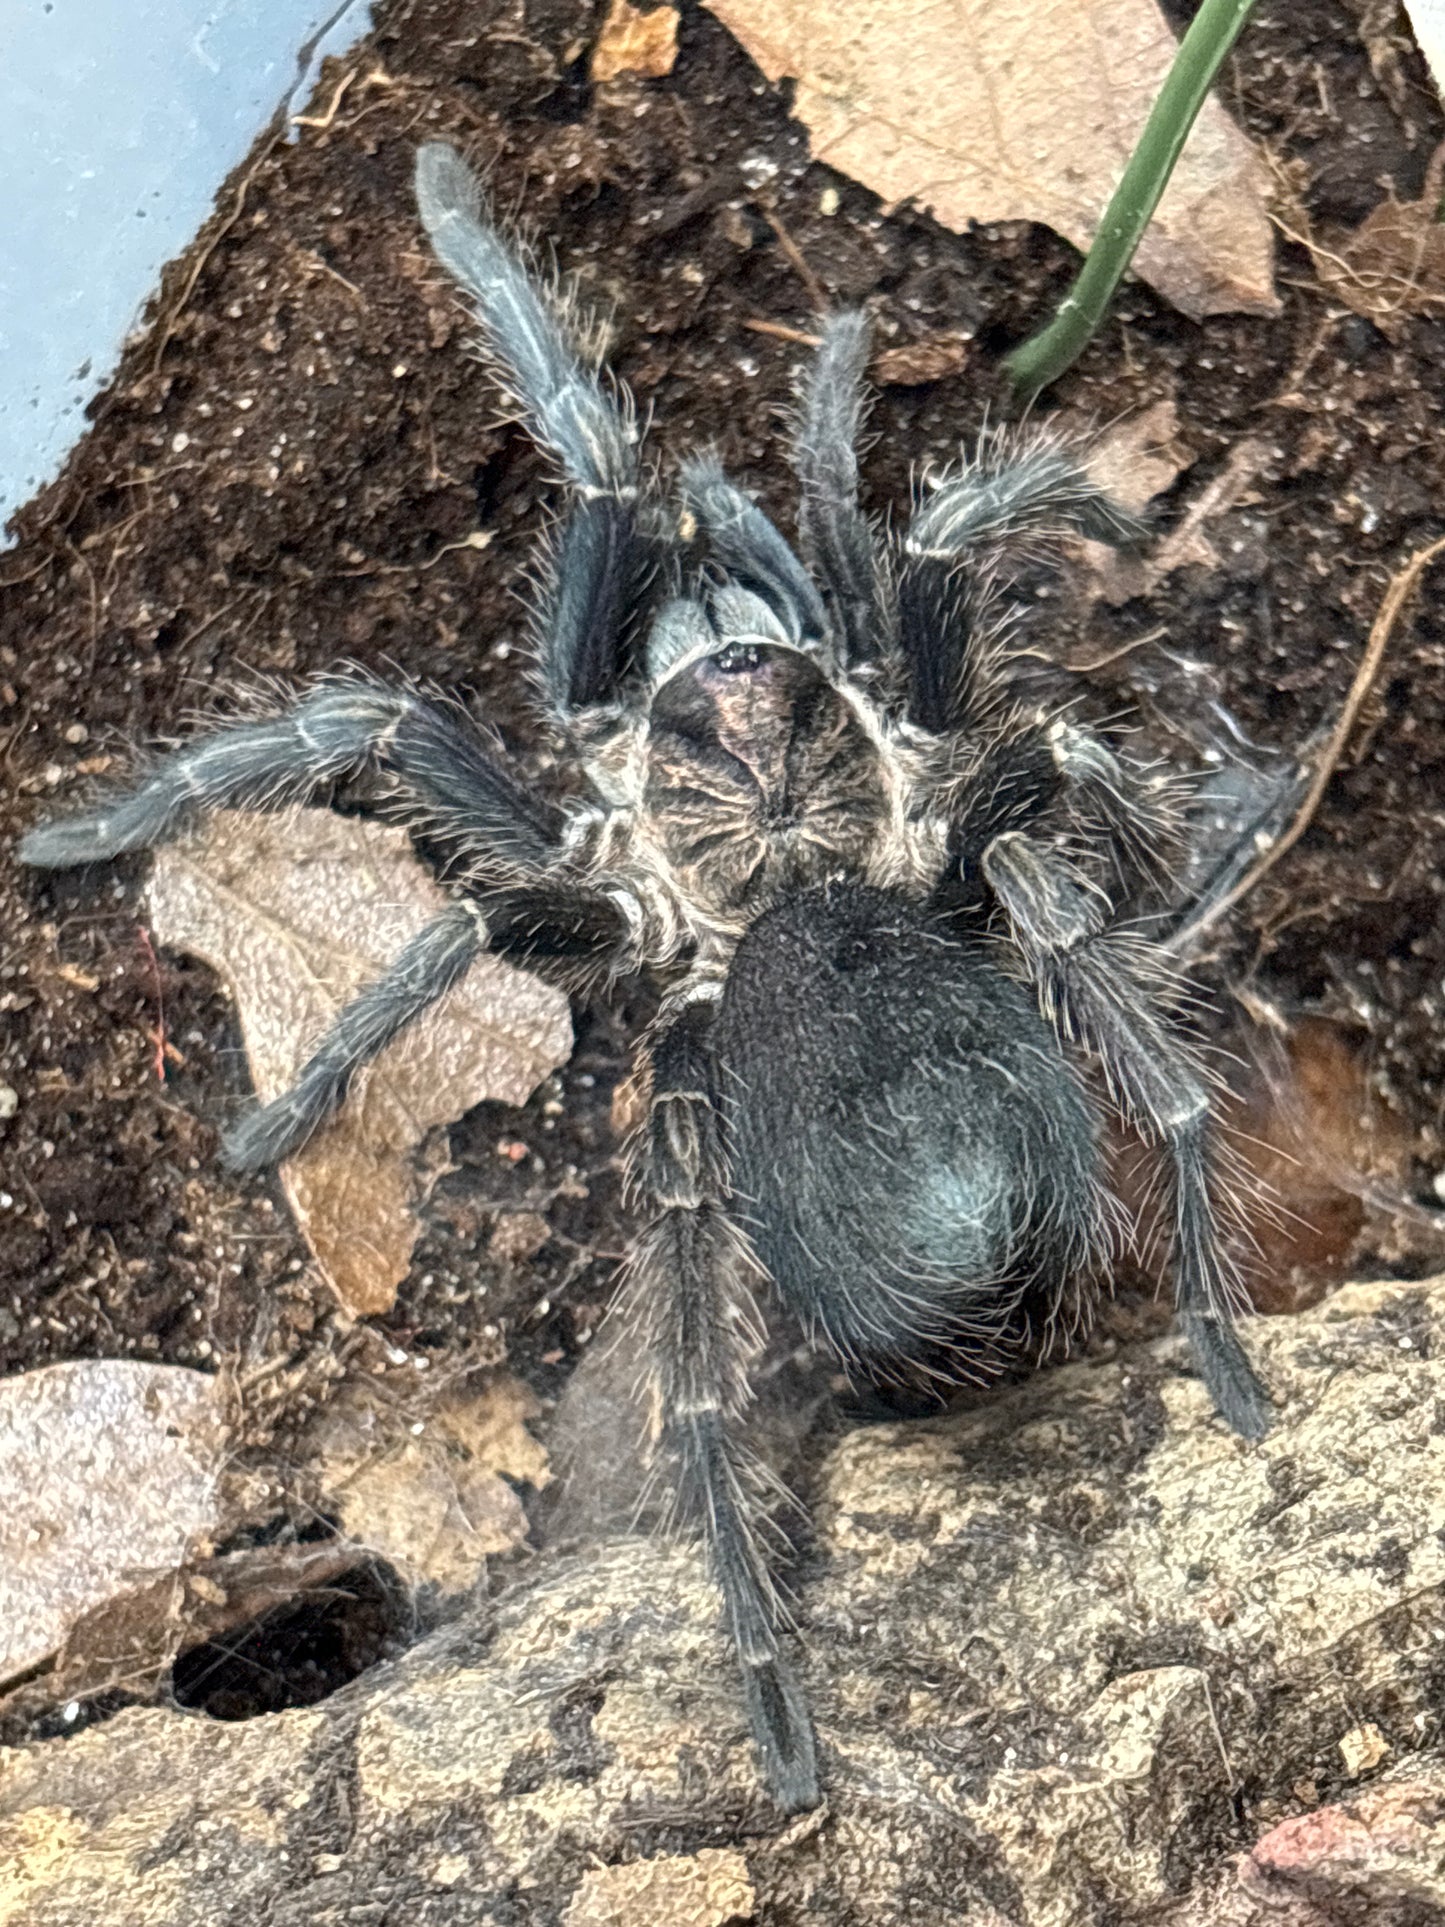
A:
(883, 901)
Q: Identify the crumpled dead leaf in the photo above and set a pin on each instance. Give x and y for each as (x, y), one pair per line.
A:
(1137, 461)
(133, 1637)
(297, 913)
(1393, 264)
(1020, 110)
(635, 42)
(110, 1475)
(433, 1502)
(1139, 458)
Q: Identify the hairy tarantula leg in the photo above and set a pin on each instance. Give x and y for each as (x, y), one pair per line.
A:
(750, 550)
(1094, 984)
(692, 1278)
(562, 403)
(438, 957)
(1126, 808)
(442, 764)
(1119, 805)
(563, 932)
(1012, 489)
(833, 531)
(605, 558)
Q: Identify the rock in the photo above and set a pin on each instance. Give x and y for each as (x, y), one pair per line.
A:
(1376, 1859)
(707, 1889)
(1074, 1652)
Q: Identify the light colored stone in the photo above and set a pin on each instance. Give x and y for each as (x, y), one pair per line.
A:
(706, 1889)
(1052, 1642)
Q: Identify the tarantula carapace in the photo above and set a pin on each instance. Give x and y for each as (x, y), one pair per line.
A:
(883, 899)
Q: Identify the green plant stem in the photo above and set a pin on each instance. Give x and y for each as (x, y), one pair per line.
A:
(1212, 32)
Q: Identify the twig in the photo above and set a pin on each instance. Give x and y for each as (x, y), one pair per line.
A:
(782, 332)
(378, 77)
(1212, 32)
(796, 260)
(157, 1036)
(166, 322)
(1085, 666)
(1381, 630)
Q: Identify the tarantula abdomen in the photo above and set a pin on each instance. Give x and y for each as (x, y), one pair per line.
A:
(916, 1163)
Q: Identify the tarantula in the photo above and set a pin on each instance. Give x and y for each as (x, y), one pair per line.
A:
(884, 900)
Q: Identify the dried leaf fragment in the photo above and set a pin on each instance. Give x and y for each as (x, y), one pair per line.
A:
(1134, 461)
(297, 913)
(135, 1635)
(1119, 576)
(109, 1474)
(434, 1502)
(635, 42)
(1020, 110)
(1138, 459)
(1393, 264)
(934, 357)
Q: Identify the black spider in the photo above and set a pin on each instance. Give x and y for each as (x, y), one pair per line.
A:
(882, 896)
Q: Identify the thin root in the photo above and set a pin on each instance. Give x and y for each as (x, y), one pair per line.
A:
(1401, 586)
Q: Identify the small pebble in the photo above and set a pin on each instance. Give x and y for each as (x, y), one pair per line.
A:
(9, 1101)
(76, 733)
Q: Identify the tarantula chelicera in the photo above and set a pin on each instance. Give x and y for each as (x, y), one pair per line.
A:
(885, 899)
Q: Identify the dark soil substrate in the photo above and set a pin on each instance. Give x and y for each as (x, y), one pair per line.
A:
(286, 469)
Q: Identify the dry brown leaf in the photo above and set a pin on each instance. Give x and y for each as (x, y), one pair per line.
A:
(1133, 462)
(634, 42)
(1120, 576)
(134, 1636)
(297, 913)
(433, 1502)
(1393, 264)
(109, 1474)
(1140, 458)
(1020, 110)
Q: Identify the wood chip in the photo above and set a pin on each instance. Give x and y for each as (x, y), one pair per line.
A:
(932, 358)
(635, 42)
(1363, 1748)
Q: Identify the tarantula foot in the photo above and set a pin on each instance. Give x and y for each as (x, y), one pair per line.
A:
(1230, 1379)
(268, 1136)
(74, 840)
(783, 1735)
